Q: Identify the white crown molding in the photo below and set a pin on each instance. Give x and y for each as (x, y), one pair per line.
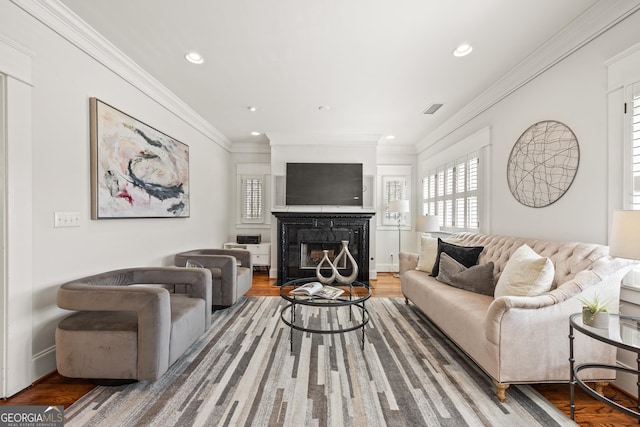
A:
(599, 18)
(324, 139)
(63, 21)
(251, 147)
(15, 60)
(399, 149)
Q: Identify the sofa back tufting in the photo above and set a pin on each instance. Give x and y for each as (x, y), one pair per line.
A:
(569, 258)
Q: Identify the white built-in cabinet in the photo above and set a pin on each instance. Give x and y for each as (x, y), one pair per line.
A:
(260, 253)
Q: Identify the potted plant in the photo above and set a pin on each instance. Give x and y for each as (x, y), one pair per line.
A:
(595, 312)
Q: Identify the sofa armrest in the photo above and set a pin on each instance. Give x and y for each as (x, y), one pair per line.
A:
(408, 261)
(152, 306)
(566, 297)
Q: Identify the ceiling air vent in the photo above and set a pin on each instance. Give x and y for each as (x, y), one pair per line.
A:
(432, 109)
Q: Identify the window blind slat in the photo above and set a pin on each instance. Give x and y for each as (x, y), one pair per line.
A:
(252, 199)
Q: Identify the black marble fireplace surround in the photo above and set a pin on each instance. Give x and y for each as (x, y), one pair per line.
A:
(303, 236)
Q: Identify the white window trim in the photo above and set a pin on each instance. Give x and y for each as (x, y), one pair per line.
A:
(622, 73)
(253, 171)
(479, 142)
(391, 218)
(394, 172)
(241, 197)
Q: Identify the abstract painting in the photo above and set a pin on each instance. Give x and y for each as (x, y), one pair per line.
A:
(136, 170)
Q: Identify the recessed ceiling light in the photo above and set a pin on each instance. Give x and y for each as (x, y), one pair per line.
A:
(463, 50)
(391, 137)
(194, 58)
(324, 108)
(251, 108)
(255, 133)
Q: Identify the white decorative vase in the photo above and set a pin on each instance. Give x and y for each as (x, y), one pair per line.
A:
(599, 320)
(354, 272)
(325, 260)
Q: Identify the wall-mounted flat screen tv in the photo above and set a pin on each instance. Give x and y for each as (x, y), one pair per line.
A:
(335, 184)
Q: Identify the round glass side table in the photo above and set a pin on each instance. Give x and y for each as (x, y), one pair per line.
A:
(623, 332)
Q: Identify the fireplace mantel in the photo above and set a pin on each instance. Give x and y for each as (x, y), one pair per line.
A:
(324, 230)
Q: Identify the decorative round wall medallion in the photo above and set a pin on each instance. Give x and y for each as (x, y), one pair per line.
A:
(543, 163)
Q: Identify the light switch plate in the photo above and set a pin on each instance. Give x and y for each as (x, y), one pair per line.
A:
(66, 219)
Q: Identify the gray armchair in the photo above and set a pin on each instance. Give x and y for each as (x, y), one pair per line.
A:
(126, 326)
(231, 272)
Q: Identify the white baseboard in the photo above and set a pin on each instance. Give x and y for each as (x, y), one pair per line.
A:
(44, 363)
(387, 267)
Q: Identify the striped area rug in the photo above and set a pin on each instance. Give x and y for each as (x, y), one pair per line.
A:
(243, 372)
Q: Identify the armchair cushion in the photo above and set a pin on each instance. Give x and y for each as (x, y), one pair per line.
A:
(186, 326)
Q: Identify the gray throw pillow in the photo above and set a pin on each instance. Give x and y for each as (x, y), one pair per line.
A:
(478, 278)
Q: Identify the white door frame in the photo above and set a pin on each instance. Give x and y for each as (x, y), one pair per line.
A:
(16, 311)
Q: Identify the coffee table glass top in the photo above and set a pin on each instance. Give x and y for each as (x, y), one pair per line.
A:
(355, 293)
(623, 331)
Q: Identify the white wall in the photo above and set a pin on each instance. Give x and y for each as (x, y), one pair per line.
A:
(64, 80)
(573, 92)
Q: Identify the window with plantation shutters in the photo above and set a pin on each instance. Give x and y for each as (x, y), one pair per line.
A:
(633, 131)
(451, 192)
(252, 199)
(394, 189)
(252, 195)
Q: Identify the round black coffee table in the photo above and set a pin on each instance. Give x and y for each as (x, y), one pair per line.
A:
(354, 296)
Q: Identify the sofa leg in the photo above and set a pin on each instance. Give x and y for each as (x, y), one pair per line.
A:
(501, 393)
(599, 387)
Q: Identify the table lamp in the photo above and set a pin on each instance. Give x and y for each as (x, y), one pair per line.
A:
(625, 235)
(427, 224)
(399, 207)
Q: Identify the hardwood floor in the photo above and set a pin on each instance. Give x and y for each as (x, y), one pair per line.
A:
(57, 390)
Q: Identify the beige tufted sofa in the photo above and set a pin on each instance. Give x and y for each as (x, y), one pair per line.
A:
(522, 339)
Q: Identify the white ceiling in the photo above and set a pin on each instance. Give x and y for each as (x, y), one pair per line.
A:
(377, 63)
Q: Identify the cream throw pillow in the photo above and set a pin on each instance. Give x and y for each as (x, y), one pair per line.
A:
(525, 274)
(428, 253)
